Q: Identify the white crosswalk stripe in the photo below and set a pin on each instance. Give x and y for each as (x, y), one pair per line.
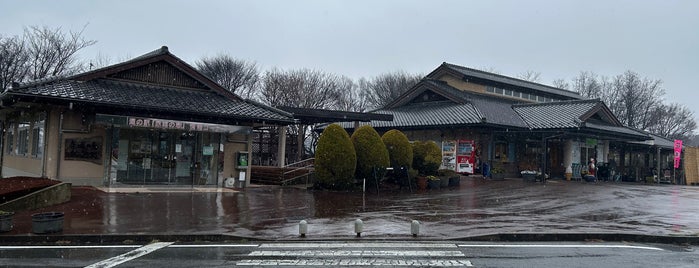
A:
(357, 254)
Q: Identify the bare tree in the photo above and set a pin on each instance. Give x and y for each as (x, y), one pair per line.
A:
(561, 83)
(239, 76)
(13, 61)
(638, 97)
(673, 121)
(302, 88)
(351, 98)
(530, 76)
(588, 85)
(52, 52)
(386, 87)
(40, 52)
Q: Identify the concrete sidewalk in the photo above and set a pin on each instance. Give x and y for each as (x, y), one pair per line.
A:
(478, 208)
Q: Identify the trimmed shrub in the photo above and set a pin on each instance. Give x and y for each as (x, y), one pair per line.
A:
(426, 157)
(336, 159)
(371, 153)
(400, 152)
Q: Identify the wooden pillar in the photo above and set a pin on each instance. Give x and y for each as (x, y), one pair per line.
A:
(281, 148)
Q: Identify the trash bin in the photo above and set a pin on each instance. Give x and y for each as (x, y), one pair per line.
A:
(486, 170)
(6, 221)
(49, 222)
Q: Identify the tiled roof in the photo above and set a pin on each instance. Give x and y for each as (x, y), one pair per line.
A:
(496, 111)
(560, 114)
(151, 97)
(428, 114)
(512, 81)
(488, 109)
(615, 129)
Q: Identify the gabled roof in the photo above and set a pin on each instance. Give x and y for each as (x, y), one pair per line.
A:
(157, 82)
(466, 73)
(563, 114)
(484, 108)
(162, 54)
(439, 87)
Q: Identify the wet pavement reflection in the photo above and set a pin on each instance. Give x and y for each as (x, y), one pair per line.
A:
(476, 207)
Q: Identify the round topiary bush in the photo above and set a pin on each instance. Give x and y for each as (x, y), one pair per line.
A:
(371, 153)
(400, 152)
(426, 157)
(336, 159)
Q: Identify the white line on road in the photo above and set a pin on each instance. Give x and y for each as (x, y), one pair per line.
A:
(111, 262)
(357, 245)
(70, 247)
(357, 262)
(358, 253)
(217, 246)
(555, 246)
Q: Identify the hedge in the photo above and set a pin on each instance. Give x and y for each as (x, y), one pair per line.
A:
(371, 153)
(400, 152)
(336, 159)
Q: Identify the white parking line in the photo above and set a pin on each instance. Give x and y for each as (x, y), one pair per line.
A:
(555, 246)
(111, 262)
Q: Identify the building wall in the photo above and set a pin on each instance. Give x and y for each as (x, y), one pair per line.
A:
(82, 172)
(234, 144)
(462, 85)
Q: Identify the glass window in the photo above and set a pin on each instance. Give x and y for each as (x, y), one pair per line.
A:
(498, 90)
(23, 138)
(11, 130)
(38, 137)
(508, 92)
(525, 95)
(532, 97)
(490, 89)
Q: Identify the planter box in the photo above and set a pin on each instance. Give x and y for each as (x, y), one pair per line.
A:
(49, 222)
(433, 184)
(444, 182)
(529, 177)
(455, 181)
(6, 221)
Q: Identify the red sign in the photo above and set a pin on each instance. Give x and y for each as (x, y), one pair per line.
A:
(678, 152)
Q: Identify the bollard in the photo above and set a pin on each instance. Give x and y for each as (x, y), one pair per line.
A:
(358, 227)
(415, 228)
(303, 228)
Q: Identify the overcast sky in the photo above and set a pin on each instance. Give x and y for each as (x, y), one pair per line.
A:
(657, 39)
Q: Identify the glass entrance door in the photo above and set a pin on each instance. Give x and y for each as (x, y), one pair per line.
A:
(173, 158)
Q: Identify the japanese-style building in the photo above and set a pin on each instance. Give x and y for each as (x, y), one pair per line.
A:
(518, 125)
(153, 120)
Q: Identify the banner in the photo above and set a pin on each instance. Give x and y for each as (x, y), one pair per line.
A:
(678, 152)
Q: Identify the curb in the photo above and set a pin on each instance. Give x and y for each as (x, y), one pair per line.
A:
(525, 237)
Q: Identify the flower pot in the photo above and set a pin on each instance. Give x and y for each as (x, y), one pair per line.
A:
(49, 222)
(433, 184)
(6, 221)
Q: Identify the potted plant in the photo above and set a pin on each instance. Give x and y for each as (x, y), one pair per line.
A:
(433, 182)
(497, 173)
(6, 221)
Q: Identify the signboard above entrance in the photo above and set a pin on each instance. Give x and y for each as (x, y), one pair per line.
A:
(156, 123)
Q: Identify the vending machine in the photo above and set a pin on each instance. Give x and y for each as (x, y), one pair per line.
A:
(465, 156)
